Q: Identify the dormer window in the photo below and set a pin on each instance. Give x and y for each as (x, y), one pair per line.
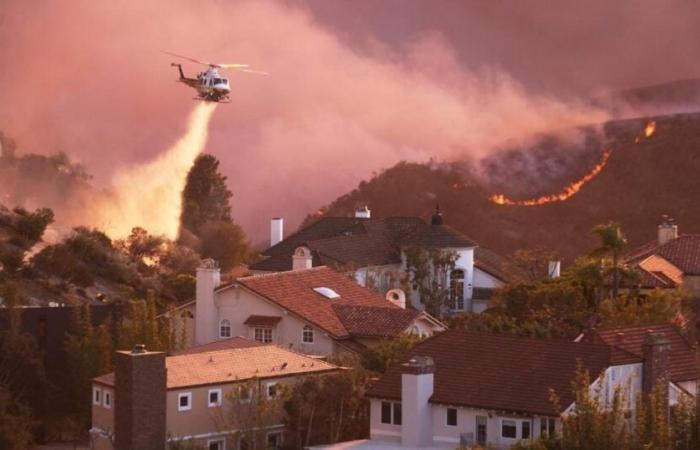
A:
(327, 292)
(225, 329)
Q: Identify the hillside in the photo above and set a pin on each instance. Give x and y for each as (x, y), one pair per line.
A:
(640, 182)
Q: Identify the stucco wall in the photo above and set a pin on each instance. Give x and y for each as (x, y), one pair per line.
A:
(102, 420)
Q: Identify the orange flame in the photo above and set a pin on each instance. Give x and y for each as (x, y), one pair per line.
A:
(649, 129)
(566, 193)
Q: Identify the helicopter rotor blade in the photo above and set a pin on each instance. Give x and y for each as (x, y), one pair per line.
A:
(258, 72)
(231, 66)
(189, 59)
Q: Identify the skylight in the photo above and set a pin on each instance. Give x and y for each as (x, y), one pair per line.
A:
(327, 292)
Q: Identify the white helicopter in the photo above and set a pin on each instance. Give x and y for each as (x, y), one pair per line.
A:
(211, 86)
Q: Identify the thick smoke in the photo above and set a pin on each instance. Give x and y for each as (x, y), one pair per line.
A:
(89, 78)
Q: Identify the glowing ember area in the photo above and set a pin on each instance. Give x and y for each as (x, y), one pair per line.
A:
(566, 193)
(650, 128)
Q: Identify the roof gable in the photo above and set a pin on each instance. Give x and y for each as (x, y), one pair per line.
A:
(683, 252)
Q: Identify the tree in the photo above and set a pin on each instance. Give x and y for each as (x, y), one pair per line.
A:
(225, 242)
(428, 272)
(205, 197)
(31, 226)
(612, 242)
(141, 326)
(15, 422)
(379, 357)
(660, 306)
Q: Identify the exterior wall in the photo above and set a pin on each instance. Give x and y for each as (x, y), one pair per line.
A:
(378, 430)
(237, 304)
(485, 280)
(202, 422)
(690, 386)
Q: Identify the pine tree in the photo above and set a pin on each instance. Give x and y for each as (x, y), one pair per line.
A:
(206, 197)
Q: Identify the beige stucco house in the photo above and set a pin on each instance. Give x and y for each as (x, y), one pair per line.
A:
(316, 311)
(197, 396)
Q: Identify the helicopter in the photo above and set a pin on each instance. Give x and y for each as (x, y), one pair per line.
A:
(211, 86)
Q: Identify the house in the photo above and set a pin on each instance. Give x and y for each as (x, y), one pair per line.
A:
(315, 311)
(464, 387)
(151, 399)
(670, 261)
(374, 250)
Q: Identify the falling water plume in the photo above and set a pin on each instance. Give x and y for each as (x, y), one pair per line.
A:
(149, 195)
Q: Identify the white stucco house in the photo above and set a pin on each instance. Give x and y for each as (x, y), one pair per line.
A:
(375, 251)
(464, 387)
(315, 311)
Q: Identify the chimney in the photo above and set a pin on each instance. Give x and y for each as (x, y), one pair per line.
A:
(276, 230)
(302, 259)
(656, 351)
(206, 314)
(554, 270)
(363, 213)
(416, 414)
(139, 399)
(667, 231)
(397, 297)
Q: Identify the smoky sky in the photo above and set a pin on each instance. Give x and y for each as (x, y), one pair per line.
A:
(354, 86)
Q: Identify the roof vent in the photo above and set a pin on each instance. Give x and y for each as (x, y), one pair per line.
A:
(327, 292)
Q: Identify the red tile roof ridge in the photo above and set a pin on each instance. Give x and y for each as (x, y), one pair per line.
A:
(283, 273)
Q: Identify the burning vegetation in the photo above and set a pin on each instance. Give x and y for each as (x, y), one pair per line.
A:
(573, 188)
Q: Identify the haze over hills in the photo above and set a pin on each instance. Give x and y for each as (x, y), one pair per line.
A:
(640, 182)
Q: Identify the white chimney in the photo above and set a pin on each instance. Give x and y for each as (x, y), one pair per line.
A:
(363, 213)
(206, 313)
(302, 259)
(397, 297)
(276, 230)
(667, 231)
(554, 270)
(417, 379)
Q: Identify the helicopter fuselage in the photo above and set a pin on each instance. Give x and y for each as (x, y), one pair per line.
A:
(209, 84)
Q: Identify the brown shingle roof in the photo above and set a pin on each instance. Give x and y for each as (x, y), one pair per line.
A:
(503, 372)
(233, 365)
(294, 291)
(683, 364)
(262, 321)
(683, 252)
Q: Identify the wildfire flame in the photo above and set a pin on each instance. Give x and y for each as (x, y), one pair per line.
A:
(150, 195)
(649, 129)
(566, 193)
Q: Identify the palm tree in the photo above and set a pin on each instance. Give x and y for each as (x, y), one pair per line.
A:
(612, 241)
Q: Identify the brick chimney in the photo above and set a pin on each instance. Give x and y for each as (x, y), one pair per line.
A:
(417, 380)
(656, 351)
(206, 313)
(667, 231)
(139, 400)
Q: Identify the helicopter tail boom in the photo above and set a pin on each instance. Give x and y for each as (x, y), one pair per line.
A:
(179, 66)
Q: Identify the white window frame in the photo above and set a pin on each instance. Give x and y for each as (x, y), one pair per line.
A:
(222, 323)
(189, 401)
(96, 396)
(218, 440)
(307, 329)
(457, 303)
(107, 399)
(447, 417)
(392, 412)
(267, 390)
(263, 331)
(500, 431)
(218, 401)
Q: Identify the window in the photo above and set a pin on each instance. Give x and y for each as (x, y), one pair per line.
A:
(546, 426)
(457, 289)
(107, 399)
(272, 390)
(452, 417)
(225, 329)
(244, 394)
(216, 444)
(263, 335)
(96, 396)
(274, 440)
(327, 292)
(307, 335)
(481, 430)
(184, 401)
(525, 430)
(391, 413)
(509, 429)
(214, 397)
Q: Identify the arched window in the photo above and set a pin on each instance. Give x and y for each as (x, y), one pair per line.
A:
(457, 289)
(307, 334)
(225, 329)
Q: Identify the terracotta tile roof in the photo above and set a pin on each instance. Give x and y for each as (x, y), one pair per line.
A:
(294, 291)
(263, 321)
(222, 344)
(684, 364)
(235, 364)
(106, 379)
(657, 264)
(375, 321)
(347, 241)
(503, 372)
(683, 252)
